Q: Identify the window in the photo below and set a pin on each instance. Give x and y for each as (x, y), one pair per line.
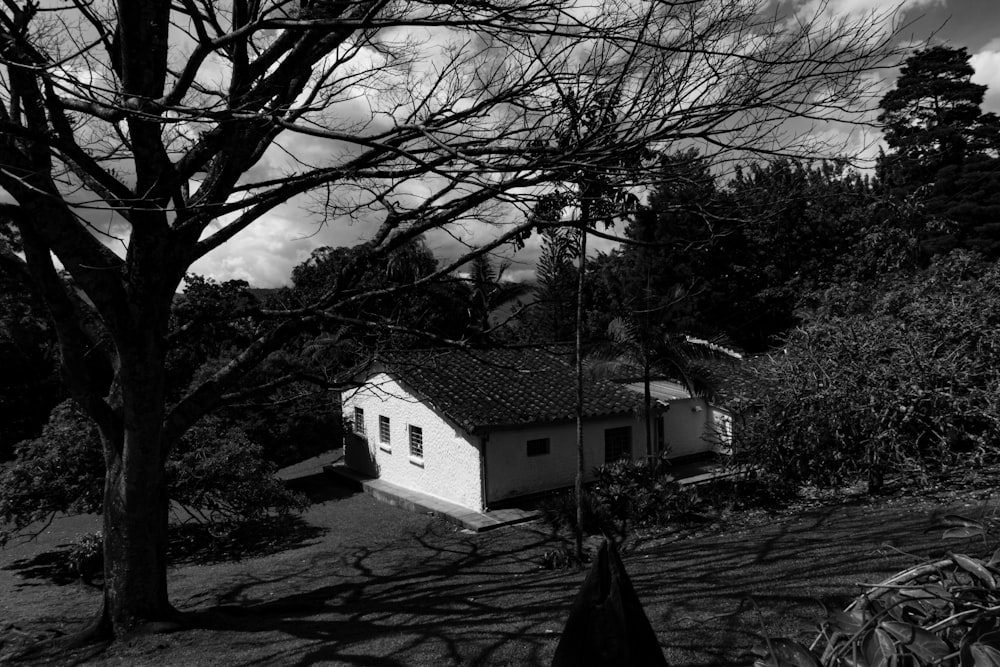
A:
(383, 432)
(416, 442)
(539, 447)
(359, 422)
(617, 443)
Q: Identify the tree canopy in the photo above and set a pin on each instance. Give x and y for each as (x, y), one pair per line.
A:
(944, 150)
(139, 135)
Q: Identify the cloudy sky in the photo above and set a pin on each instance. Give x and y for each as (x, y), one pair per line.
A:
(265, 253)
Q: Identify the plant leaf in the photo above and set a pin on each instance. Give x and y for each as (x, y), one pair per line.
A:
(984, 656)
(975, 568)
(959, 521)
(921, 643)
(792, 652)
(847, 622)
(854, 658)
(879, 648)
(931, 595)
(964, 531)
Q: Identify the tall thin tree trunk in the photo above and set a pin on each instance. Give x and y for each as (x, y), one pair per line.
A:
(646, 353)
(584, 214)
(648, 407)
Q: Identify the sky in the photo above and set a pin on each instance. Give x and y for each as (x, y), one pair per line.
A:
(265, 253)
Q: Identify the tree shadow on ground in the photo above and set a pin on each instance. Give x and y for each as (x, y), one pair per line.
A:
(49, 567)
(386, 588)
(196, 543)
(439, 597)
(204, 544)
(320, 487)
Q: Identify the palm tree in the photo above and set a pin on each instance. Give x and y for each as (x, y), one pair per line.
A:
(490, 292)
(633, 345)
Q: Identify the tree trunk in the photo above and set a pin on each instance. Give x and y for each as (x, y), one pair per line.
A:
(136, 502)
(648, 408)
(135, 538)
(579, 383)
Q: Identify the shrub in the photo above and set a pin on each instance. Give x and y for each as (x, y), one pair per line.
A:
(902, 377)
(60, 471)
(642, 494)
(220, 475)
(561, 558)
(215, 472)
(559, 512)
(86, 557)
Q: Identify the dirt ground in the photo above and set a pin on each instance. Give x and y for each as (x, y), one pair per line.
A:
(370, 584)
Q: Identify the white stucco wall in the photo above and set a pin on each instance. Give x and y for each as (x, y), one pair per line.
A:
(451, 463)
(511, 472)
(689, 427)
(684, 425)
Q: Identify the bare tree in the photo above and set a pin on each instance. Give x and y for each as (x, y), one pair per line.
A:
(136, 137)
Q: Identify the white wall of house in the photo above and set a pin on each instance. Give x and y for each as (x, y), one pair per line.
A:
(691, 426)
(450, 466)
(511, 472)
(684, 427)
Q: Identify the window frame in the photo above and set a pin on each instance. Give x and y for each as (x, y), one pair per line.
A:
(385, 433)
(547, 447)
(616, 432)
(359, 422)
(416, 453)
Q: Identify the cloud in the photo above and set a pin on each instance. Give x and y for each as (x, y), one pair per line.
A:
(265, 253)
(987, 65)
(856, 8)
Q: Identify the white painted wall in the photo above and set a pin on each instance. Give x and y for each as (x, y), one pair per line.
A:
(450, 468)
(684, 425)
(511, 472)
(689, 426)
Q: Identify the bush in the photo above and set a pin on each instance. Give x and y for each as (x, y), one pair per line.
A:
(86, 557)
(559, 512)
(642, 494)
(60, 471)
(903, 377)
(215, 472)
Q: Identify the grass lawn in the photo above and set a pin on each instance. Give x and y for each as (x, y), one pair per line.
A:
(375, 585)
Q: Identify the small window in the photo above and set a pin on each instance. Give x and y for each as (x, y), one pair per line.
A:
(617, 444)
(416, 442)
(359, 421)
(383, 430)
(539, 447)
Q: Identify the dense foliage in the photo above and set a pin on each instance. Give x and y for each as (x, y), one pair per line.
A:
(216, 475)
(433, 308)
(639, 494)
(29, 382)
(734, 257)
(876, 381)
(59, 471)
(286, 404)
(944, 150)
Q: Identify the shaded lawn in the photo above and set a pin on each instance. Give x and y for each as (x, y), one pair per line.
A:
(380, 586)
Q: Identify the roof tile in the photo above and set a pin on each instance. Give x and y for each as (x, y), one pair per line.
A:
(505, 387)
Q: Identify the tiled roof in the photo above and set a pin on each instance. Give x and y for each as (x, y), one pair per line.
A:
(504, 387)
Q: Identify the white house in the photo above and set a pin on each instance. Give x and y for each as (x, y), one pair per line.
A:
(690, 426)
(476, 427)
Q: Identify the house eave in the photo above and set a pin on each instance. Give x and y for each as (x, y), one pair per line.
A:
(482, 429)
